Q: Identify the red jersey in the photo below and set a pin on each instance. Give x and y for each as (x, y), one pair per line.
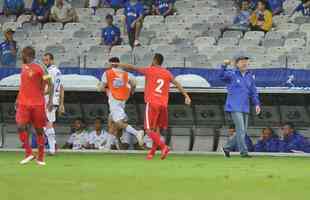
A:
(157, 85)
(31, 89)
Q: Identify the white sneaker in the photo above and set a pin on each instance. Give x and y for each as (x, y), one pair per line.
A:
(27, 160)
(137, 43)
(41, 163)
(140, 136)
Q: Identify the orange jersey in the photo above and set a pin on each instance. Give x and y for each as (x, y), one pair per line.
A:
(157, 84)
(31, 89)
(117, 82)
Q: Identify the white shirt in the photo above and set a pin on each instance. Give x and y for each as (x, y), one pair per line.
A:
(104, 81)
(78, 139)
(63, 12)
(55, 74)
(98, 140)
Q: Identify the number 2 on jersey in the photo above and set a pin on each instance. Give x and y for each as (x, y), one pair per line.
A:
(160, 84)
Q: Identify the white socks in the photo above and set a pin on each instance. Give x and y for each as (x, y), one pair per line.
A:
(51, 138)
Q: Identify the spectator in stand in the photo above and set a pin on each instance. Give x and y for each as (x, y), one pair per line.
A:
(276, 6)
(111, 34)
(261, 18)
(40, 11)
(242, 20)
(134, 13)
(63, 12)
(303, 8)
(268, 142)
(8, 50)
(79, 139)
(292, 141)
(13, 7)
(50, 3)
(163, 7)
(148, 6)
(232, 135)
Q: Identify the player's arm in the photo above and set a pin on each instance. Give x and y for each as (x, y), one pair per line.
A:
(49, 80)
(62, 100)
(133, 85)
(127, 67)
(182, 90)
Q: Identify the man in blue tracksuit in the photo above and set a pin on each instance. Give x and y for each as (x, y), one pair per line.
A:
(240, 90)
(292, 141)
(269, 141)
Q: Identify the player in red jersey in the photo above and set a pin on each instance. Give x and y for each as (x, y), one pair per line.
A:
(31, 104)
(156, 97)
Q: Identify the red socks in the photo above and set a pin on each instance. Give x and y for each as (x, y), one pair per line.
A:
(156, 140)
(40, 142)
(23, 137)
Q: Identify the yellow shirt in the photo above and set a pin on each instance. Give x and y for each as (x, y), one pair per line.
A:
(267, 20)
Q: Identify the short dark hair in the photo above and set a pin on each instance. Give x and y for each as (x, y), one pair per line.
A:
(159, 58)
(290, 124)
(109, 16)
(264, 2)
(29, 52)
(80, 119)
(114, 60)
(50, 55)
(232, 126)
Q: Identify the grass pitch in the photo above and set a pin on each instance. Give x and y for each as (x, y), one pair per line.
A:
(129, 177)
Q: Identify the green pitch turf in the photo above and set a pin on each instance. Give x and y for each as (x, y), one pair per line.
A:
(130, 177)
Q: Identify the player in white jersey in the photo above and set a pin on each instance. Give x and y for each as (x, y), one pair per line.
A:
(58, 101)
(119, 85)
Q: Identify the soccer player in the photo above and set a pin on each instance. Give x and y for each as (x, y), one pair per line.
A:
(31, 104)
(119, 85)
(57, 101)
(156, 97)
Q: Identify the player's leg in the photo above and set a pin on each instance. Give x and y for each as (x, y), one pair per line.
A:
(138, 28)
(50, 131)
(119, 118)
(22, 119)
(39, 122)
(239, 121)
(163, 124)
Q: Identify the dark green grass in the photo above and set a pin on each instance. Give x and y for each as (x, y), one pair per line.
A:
(130, 177)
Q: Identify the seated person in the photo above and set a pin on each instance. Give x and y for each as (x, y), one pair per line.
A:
(40, 11)
(292, 141)
(303, 8)
(163, 7)
(134, 13)
(261, 18)
(111, 34)
(98, 138)
(232, 133)
(8, 50)
(63, 12)
(268, 142)
(79, 138)
(243, 18)
(16, 7)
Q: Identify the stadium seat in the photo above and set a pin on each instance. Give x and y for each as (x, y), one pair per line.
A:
(73, 111)
(233, 34)
(8, 112)
(268, 43)
(180, 139)
(270, 116)
(55, 49)
(53, 26)
(295, 114)
(244, 43)
(133, 117)
(294, 42)
(209, 115)
(204, 139)
(92, 111)
(180, 115)
(28, 27)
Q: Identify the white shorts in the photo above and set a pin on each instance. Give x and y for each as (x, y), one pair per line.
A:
(117, 111)
(51, 116)
(128, 138)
